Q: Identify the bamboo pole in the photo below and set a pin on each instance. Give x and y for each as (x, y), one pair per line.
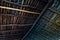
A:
(16, 25)
(19, 10)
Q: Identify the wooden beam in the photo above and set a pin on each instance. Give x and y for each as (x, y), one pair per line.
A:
(19, 10)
